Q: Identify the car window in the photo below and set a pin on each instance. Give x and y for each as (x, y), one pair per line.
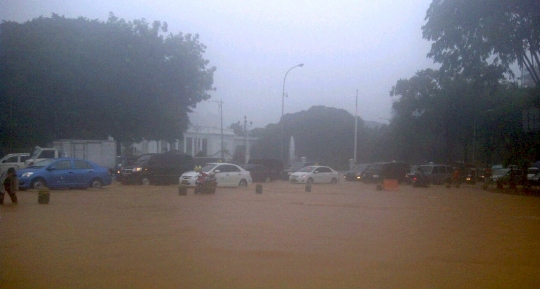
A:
(323, 170)
(62, 165)
(12, 159)
(426, 169)
(79, 164)
(230, 168)
(24, 158)
(47, 154)
(306, 169)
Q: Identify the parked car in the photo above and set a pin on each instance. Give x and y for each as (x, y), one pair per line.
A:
(285, 174)
(274, 165)
(377, 172)
(531, 172)
(437, 174)
(504, 176)
(64, 173)
(535, 180)
(163, 168)
(409, 177)
(15, 161)
(355, 174)
(315, 174)
(226, 174)
(259, 173)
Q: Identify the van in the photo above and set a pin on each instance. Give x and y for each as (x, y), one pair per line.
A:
(15, 161)
(377, 172)
(437, 174)
(162, 168)
(275, 166)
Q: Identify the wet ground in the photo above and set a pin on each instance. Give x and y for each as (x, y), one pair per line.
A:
(348, 235)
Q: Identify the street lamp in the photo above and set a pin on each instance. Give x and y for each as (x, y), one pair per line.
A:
(283, 104)
(474, 136)
(220, 105)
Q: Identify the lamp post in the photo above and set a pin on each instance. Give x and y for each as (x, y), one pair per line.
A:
(474, 137)
(283, 104)
(355, 126)
(220, 105)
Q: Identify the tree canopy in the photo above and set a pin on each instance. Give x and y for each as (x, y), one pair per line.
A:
(324, 134)
(81, 78)
(470, 35)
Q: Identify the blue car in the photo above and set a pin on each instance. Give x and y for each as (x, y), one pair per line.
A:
(64, 173)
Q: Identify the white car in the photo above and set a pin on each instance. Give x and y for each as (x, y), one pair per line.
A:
(227, 175)
(15, 161)
(315, 174)
(531, 172)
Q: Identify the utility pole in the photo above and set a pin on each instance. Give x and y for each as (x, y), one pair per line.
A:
(220, 105)
(355, 125)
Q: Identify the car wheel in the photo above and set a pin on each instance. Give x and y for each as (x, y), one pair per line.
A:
(39, 184)
(243, 183)
(96, 184)
(145, 181)
(333, 181)
(309, 181)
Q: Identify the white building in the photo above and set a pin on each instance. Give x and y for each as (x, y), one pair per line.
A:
(199, 141)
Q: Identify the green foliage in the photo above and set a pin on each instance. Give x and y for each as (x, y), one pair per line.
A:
(443, 119)
(81, 78)
(470, 36)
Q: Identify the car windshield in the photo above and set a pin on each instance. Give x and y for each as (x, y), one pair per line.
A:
(306, 169)
(143, 158)
(426, 169)
(501, 172)
(42, 163)
(375, 167)
(208, 167)
(35, 153)
(360, 167)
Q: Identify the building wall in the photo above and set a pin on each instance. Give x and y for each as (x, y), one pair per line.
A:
(197, 139)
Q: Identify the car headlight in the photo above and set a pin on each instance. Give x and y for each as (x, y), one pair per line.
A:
(303, 176)
(137, 169)
(27, 174)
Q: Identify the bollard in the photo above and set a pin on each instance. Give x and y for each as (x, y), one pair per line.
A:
(308, 187)
(182, 190)
(258, 189)
(43, 196)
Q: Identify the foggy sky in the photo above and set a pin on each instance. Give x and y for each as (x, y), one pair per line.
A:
(344, 45)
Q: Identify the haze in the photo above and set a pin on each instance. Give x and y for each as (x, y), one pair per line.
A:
(344, 45)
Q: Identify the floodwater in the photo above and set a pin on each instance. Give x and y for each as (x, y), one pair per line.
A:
(348, 235)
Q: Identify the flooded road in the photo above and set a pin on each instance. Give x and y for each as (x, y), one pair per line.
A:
(347, 235)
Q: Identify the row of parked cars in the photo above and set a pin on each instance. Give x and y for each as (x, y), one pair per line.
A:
(440, 173)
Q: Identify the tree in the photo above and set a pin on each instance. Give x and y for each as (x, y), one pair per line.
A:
(324, 134)
(81, 78)
(473, 35)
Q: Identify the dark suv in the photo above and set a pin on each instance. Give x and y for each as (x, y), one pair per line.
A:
(355, 174)
(377, 172)
(163, 168)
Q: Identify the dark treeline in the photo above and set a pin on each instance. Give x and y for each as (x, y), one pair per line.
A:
(81, 78)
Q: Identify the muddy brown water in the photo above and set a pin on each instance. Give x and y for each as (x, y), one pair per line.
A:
(348, 235)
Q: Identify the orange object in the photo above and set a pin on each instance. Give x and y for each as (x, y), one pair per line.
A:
(390, 185)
